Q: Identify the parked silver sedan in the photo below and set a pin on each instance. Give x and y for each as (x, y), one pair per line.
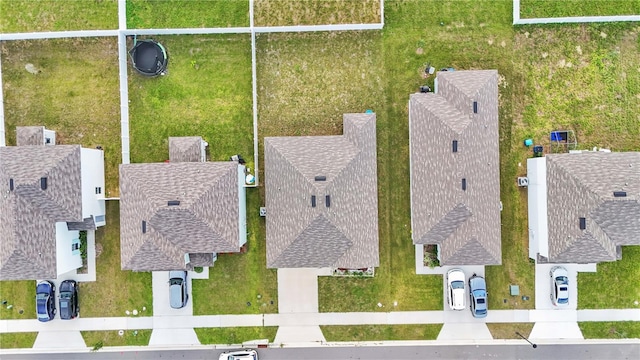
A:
(559, 286)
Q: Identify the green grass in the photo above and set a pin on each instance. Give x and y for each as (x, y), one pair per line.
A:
(75, 93)
(610, 330)
(112, 338)
(215, 296)
(207, 92)
(595, 288)
(114, 290)
(57, 15)
(17, 340)
(315, 12)
(508, 330)
(22, 296)
(235, 335)
(161, 14)
(381, 332)
(561, 8)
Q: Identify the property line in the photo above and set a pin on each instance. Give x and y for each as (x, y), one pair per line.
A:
(254, 97)
(569, 19)
(125, 143)
(2, 138)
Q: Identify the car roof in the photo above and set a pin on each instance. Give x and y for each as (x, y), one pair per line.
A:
(175, 296)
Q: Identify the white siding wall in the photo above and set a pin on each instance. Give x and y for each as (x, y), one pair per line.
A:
(242, 206)
(92, 177)
(537, 209)
(65, 259)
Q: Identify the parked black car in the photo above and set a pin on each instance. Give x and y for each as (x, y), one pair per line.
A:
(68, 300)
(45, 300)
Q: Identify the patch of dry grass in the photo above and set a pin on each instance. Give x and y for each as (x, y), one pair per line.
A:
(315, 12)
(508, 330)
(75, 93)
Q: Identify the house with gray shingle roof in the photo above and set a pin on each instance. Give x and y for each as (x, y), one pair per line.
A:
(49, 194)
(455, 174)
(322, 198)
(180, 214)
(583, 206)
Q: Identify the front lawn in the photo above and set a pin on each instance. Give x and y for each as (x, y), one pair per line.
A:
(207, 92)
(595, 289)
(235, 335)
(114, 291)
(381, 332)
(508, 330)
(555, 8)
(163, 14)
(610, 330)
(69, 86)
(16, 297)
(56, 15)
(240, 283)
(98, 339)
(17, 340)
(315, 12)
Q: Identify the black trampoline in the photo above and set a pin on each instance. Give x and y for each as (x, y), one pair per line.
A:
(149, 57)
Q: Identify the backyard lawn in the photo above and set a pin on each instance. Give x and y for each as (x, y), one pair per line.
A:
(240, 283)
(315, 12)
(555, 8)
(163, 14)
(114, 291)
(610, 330)
(381, 332)
(69, 86)
(98, 339)
(595, 288)
(207, 92)
(235, 335)
(17, 340)
(56, 15)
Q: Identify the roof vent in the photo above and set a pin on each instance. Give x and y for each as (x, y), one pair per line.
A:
(327, 200)
(10, 184)
(43, 183)
(454, 145)
(173, 202)
(144, 227)
(464, 184)
(313, 201)
(619, 194)
(321, 178)
(583, 223)
(475, 107)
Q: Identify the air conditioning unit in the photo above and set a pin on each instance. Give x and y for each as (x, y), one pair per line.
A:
(263, 211)
(523, 181)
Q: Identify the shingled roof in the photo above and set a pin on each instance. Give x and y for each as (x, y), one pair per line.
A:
(29, 135)
(455, 175)
(185, 149)
(28, 212)
(322, 198)
(156, 232)
(604, 189)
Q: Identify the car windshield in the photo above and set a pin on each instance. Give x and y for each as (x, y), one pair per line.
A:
(175, 281)
(457, 285)
(480, 301)
(562, 280)
(65, 295)
(563, 301)
(42, 305)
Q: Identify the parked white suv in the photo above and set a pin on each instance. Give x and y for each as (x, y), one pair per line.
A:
(455, 289)
(559, 286)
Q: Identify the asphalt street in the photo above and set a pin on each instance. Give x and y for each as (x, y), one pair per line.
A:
(612, 351)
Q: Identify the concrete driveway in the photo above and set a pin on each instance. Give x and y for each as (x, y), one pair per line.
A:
(298, 290)
(543, 285)
(160, 284)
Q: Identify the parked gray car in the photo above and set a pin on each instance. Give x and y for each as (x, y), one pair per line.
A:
(178, 295)
(478, 296)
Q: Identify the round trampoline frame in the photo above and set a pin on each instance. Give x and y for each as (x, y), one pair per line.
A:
(149, 57)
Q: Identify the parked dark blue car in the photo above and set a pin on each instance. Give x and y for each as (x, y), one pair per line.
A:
(45, 300)
(68, 300)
